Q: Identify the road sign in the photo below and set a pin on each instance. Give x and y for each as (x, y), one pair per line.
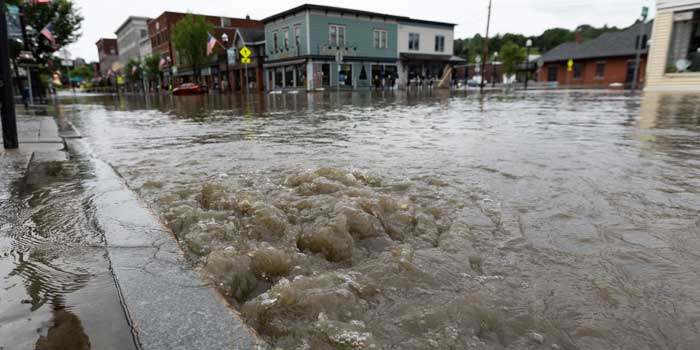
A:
(245, 52)
(570, 65)
(245, 60)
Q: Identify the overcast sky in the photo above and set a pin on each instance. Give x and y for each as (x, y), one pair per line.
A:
(529, 17)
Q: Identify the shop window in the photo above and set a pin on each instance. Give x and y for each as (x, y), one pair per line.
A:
(289, 76)
(684, 53)
(552, 73)
(600, 70)
(578, 70)
(301, 75)
(345, 75)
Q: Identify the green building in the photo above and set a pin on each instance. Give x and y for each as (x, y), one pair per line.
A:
(314, 47)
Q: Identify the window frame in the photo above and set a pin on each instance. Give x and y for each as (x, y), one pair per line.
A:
(577, 68)
(275, 41)
(414, 45)
(439, 43)
(381, 39)
(297, 35)
(600, 73)
(334, 35)
(285, 38)
(552, 69)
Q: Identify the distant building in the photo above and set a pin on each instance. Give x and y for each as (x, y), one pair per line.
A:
(159, 31)
(251, 73)
(130, 37)
(674, 59)
(598, 63)
(317, 47)
(425, 49)
(108, 54)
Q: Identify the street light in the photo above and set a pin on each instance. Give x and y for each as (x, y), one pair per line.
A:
(224, 39)
(493, 69)
(528, 45)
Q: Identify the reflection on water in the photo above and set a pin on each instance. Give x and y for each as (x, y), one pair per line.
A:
(56, 291)
(414, 221)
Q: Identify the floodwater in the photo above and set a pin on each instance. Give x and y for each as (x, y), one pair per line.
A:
(56, 288)
(557, 220)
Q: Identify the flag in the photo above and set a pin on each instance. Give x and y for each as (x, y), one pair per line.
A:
(134, 69)
(211, 43)
(48, 33)
(42, 2)
(162, 63)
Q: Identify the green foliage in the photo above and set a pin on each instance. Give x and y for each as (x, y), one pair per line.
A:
(512, 55)
(83, 72)
(190, 39)
(66, 20)
(151, 67)
(469, 48)
(132, 70)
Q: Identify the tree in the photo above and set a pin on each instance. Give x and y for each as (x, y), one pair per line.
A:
(66, 23)
(190, 38)
(132, 70)
(511, 56)
(151, 67)
(83, 72)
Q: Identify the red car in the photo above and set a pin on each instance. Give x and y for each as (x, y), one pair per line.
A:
(189, 89)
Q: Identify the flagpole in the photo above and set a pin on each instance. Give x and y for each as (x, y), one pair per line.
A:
(486, 50)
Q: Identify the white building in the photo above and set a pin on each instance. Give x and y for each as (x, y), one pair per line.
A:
(425, 49)
(133, 40)
(674, 55)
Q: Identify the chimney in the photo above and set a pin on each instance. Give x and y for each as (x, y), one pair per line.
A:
(579, 37)
(247, 17)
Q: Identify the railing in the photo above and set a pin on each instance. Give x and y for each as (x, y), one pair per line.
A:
(328, 49)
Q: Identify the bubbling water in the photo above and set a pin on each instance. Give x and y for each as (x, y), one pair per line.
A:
(335, 259)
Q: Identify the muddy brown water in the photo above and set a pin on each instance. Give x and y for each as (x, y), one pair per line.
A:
(400, 221)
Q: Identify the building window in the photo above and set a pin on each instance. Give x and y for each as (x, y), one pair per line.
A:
(684, 53)
(157, 25)
(600, 70)
(381, 39)
(285, 35)
(578, 70)
(439, 43)
(552, 73)
(275, 41)
(144, 33)
(297, 36)
(414, 41)
(336, 35)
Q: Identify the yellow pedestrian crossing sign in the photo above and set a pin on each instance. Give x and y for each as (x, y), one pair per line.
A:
(245, 54)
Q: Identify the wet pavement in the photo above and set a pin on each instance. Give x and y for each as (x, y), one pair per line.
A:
(562, 219)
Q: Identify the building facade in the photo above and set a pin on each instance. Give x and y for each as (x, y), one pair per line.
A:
(130, 37)
(319, 47)
(605, 62)
(175, 71)
(242, 76)
(108, 54)
(674, 57)
(425, 49)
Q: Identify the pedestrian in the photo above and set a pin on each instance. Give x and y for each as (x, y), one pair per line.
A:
(25, 96)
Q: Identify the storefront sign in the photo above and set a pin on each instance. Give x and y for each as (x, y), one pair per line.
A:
(683, 16)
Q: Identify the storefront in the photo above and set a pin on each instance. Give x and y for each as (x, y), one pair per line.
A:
(674, 57)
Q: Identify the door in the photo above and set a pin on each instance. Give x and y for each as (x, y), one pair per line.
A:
(326, 72)
(630, 72)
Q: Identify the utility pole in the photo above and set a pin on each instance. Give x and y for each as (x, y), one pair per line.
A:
(486, 49)
(640, 44)
(7, 98)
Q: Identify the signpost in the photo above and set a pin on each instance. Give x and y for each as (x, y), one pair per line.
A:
(7, 110)
(245, 59)
(640, 45)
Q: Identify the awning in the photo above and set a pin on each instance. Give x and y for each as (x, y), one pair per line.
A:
(425, 57)
(284, 63)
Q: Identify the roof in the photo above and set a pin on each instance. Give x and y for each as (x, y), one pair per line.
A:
(130, 19)
(352, 11)
(105, 40)
(613, 44)
(251, 35)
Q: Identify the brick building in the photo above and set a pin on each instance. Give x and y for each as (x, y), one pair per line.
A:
(607, 61)
(159, 32)
(108, 54)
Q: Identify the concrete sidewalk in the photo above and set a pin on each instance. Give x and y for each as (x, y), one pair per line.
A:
(166, 303)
